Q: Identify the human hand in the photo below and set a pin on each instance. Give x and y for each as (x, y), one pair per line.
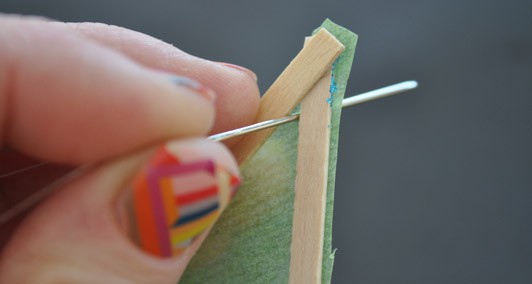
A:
(78, 94)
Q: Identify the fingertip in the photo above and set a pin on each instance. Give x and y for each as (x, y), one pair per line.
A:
(181, 175)
(236, 87)
(239, 106)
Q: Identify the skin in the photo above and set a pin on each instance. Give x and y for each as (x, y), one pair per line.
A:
(78, 94)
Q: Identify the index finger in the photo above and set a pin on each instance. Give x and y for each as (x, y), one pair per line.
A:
(236, 87)
(66, 99)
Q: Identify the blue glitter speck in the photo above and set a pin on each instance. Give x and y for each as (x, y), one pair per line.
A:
(332, 88)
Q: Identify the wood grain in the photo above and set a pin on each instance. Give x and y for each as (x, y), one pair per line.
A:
(290, 87)
(311, 185)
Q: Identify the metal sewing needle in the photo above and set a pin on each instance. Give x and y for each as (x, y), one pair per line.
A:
(348, 102)
(355, 100)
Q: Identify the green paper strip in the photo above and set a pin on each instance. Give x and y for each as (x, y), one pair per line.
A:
(251, 241)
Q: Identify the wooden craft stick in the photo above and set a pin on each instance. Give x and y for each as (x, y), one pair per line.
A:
(290, 87)
(311, 185)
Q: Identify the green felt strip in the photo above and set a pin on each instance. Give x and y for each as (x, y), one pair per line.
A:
(341, 71)
(251, 241)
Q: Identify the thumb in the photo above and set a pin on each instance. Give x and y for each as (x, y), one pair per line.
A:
(138, 219)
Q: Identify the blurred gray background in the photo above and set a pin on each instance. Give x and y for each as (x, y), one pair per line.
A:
(434, 186)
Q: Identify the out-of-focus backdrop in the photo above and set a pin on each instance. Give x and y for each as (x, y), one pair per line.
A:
(434, 186)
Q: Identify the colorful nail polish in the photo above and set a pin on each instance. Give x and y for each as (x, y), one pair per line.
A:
(240, 68)
(195, 86)
(174, 202)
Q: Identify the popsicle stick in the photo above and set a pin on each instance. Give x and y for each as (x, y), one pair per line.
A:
(311, 185)
(290, 87)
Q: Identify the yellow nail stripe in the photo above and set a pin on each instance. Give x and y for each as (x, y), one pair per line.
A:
(192, 229)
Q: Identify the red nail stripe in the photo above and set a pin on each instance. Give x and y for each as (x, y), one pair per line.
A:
(144, 216)
(235, 181)
(196, 196)
(162, 158)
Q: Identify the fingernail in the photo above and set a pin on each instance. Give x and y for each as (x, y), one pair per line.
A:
(194, 86)
(240, 68)
(175, 199)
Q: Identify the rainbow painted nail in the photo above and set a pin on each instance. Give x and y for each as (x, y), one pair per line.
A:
(175, 202)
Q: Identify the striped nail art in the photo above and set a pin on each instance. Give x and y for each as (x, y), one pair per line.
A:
(175, 202)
